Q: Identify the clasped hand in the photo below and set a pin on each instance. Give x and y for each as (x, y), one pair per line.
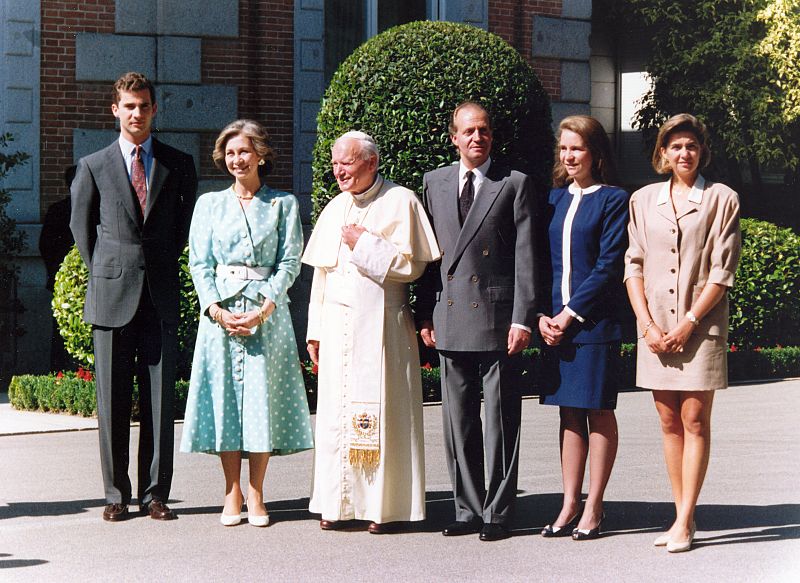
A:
(351, 234)
(552, 329)
(660, 342)
(243, 323)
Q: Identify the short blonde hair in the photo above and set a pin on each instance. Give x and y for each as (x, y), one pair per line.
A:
(682, 122)
(257, 135)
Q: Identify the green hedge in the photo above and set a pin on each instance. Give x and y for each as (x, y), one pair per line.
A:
(75, 393)
(401, 87)
(765, 299)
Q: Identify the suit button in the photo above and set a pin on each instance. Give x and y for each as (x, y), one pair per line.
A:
(672, 310)
(449, 277)
(673, 250)
(475, 278)
(672, 231)
(672, 291)
(485, 252)
(449, 302)
(474, 304)
(672, 270)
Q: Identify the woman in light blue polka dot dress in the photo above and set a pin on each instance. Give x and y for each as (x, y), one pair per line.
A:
(246, 397)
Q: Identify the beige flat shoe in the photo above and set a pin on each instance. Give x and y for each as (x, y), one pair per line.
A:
(661, 540)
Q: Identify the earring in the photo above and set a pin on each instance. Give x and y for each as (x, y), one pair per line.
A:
(261, 162)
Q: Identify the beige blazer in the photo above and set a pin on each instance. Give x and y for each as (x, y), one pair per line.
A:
(677, 255)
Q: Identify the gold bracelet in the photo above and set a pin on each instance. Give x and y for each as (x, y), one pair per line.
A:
(649, 325)
(262, 316)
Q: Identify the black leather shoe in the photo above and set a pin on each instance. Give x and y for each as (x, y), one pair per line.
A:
(494, 531)
(460, 528)
(157, 510)
(116, 512)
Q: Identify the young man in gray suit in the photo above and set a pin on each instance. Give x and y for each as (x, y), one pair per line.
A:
(131, 207)
(476, 307)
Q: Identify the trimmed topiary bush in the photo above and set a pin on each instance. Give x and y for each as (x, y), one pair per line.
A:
(69, 294)
(765, 298)
(401, 87)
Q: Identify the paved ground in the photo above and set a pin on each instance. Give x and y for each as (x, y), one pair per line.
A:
(749, 517)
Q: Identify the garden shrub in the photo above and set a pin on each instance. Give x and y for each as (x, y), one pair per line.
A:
(68, 299)
(401, 88)
(765, 298)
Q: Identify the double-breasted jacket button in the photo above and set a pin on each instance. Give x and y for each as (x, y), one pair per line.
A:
(449, 277)
(672, 231)
(672, 270)
(449, 302)
(475, 278)
(474, 304)
(672, 310)
(674, 250)
(485, 252)
(672, 291)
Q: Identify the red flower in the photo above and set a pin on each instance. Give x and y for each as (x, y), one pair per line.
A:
(60, 375)
(314, 369)
(733, 348)
(427, 366)
(84, 374)
(757, 349)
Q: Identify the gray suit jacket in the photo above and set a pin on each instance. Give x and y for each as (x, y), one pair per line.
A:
(118, 245)
(486, 278)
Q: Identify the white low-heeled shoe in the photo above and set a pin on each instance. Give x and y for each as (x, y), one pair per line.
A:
(681, 546)
(257, 520)
(661, 540)
(230, 519)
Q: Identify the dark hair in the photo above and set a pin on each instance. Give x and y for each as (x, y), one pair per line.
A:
(133, 81)
(467, 105)
(682, 122)
(604, 168)
(257, 135)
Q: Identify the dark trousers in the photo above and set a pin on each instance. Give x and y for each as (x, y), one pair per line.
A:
(466, 438)
(146, 346)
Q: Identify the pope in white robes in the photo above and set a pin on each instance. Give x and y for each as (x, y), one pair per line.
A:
(368, 244)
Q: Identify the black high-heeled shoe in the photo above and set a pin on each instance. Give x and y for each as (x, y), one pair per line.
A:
(552, 531)
(591, 534)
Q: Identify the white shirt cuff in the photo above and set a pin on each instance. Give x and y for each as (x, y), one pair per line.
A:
(521, 327)
(572, 313)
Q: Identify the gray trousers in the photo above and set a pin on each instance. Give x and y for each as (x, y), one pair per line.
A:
(467, 439)
(146, 346)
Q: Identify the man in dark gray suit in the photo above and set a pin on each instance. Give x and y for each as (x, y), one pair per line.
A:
(476, 307)
(131, 208)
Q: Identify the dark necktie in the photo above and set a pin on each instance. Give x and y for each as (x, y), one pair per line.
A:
(138, 180)
(466, 198)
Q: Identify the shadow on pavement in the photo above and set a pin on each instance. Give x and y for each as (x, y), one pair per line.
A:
(6, 563)
(53, 508)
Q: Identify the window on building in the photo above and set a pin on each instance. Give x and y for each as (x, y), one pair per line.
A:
(348, 23)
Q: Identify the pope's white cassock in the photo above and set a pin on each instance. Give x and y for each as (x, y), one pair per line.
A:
(369, 462)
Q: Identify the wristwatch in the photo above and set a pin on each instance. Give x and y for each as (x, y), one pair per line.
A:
(692, 318)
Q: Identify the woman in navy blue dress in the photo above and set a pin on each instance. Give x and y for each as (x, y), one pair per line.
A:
(588, 238)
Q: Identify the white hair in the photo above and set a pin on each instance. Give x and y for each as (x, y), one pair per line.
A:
(368, 147)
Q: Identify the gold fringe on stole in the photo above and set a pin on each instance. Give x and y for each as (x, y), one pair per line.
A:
(365, 458)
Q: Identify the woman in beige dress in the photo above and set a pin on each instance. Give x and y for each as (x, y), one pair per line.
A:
(684, 249)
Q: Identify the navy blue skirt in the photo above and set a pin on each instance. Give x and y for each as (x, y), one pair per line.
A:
(584, 376)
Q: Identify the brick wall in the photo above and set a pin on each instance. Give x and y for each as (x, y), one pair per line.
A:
(259, 62)
(65, 103)
(513, 21)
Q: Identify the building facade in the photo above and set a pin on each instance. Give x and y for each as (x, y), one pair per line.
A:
(217, 60)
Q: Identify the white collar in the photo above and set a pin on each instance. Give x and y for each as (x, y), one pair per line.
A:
(575, 189)
(478, 171)
(369, 194)
(127, 147)
(695, 194)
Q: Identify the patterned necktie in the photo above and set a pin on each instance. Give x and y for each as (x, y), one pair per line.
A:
(466, 198)
(138, 180)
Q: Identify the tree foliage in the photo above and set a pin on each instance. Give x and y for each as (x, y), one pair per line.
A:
(734, 64)
(401, 87)
(11, 240)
